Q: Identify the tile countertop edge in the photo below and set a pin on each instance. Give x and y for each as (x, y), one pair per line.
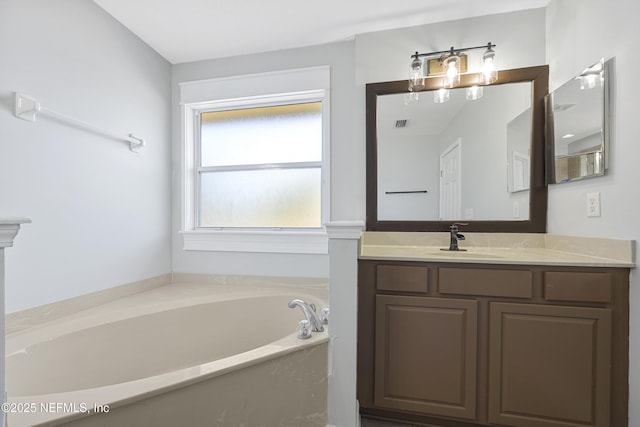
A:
(560, 262)
(554, 250)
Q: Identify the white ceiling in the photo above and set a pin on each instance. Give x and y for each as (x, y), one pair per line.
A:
(193, 30)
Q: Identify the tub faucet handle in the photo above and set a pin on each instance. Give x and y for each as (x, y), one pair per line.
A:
(324, 316)
(304, 329)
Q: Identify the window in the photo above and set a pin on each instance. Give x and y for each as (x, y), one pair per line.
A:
(256, 166)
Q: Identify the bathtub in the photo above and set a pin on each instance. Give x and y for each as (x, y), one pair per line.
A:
(218, 352)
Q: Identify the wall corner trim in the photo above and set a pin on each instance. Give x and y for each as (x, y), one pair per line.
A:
(344, 229)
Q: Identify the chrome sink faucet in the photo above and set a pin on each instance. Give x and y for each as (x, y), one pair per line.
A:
(313, 322)
(455, 236)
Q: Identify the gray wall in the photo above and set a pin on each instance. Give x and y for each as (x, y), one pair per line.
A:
(100, 213)
(347, 159)
(579, 33)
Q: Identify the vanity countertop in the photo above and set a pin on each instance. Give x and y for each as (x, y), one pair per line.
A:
(500, 248)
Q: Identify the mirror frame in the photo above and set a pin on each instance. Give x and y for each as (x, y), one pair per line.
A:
(537, 222)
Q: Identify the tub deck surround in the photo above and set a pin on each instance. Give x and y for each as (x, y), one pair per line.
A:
(500, 248)
(9, 228)
(255, 330)
(35, 316)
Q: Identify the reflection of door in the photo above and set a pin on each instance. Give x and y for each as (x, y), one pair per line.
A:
(450, 192)
(520, 171)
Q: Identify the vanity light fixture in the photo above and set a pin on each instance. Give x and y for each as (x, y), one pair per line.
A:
(441, 95)
(474, 92)
(416, 75)
(450, 64)
(489, 65)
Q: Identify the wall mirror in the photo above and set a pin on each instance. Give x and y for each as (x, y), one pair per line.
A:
(476, 157)
(578, 125)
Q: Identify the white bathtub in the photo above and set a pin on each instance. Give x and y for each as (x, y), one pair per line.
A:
(221, 352)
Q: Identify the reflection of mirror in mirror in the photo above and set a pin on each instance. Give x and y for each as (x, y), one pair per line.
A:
(577, 109)
(463, 159)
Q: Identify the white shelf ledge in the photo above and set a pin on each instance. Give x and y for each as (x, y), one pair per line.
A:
(9, 228)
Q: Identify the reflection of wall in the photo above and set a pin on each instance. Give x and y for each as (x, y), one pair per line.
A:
(518, 145)
(518, 141)
(588, 143)
(484, 150)
(410, 163)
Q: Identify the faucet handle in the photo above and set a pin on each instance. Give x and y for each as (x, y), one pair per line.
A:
(456, 224)
(324, 315)
(304, 329)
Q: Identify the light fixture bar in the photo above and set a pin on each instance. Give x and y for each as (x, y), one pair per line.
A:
(453, 51)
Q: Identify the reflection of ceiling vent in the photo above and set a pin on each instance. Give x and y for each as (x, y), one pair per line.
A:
(562, 107)
(402, 123)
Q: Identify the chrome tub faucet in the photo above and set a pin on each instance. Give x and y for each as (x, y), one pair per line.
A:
(313, 321)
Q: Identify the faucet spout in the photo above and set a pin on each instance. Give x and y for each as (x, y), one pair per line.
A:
(309, 311)
(455, 236)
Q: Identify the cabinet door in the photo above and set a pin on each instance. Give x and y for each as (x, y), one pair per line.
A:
(425, 355)
(549, 365)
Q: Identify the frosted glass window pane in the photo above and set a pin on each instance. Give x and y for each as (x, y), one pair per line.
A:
(276, 134)
(261, 198)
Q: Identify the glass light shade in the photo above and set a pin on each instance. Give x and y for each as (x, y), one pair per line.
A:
(441, 95)
(489, 66)
(452, 68)
(592, 76)
(589, 81)
(410, 97)
(474, 92)
(416, 75)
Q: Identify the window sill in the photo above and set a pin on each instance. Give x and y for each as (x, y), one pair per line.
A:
(267, 241)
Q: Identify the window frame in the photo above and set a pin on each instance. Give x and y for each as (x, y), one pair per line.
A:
(256, 90)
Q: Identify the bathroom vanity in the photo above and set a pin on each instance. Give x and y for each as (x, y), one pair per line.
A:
(524, 330)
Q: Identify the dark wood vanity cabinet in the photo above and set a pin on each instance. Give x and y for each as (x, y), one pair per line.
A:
(459, 345)
(409, 374)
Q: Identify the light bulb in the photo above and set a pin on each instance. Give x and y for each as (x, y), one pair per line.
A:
(489, 66)
(416, 74)
(441, 95)
(452, 66)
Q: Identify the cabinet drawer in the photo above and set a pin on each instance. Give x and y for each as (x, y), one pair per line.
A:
(485, 282)
(404, 278)
(577, 286)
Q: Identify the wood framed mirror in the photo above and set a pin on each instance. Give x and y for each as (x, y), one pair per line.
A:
(498, 172)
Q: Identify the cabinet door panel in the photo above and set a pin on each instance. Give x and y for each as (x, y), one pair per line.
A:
(549, 365)
(425, 355)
